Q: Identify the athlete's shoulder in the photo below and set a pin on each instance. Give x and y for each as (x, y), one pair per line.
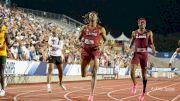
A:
(100, 27)
(148, 31)
(134, 32)
(83, 27)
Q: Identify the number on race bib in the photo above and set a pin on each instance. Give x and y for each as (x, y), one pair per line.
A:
(87, 41)
(53, 49)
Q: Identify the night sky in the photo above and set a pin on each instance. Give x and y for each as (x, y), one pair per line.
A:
(163, 16)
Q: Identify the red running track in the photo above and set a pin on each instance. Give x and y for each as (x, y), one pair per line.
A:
(106, 90)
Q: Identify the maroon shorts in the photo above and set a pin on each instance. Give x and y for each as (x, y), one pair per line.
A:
(140, 57)
(89, 52)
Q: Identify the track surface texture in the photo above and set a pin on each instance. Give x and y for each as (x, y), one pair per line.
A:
(159, 89)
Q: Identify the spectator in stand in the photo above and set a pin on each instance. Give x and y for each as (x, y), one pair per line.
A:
(14, 51)
(20, 55)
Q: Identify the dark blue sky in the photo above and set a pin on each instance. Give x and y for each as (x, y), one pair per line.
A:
(117, 16)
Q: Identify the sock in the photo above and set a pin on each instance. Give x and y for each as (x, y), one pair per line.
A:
(48, 85)
(144, 85)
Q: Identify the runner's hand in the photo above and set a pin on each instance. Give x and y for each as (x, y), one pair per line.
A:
(154, 52)
(170, 65)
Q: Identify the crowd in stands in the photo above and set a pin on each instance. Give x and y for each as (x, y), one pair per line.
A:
(30, 37)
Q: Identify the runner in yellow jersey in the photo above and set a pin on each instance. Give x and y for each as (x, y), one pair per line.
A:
(4, 43)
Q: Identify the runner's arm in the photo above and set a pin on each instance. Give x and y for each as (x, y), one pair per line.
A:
(103, 34)
(132, 39)
(151, 42)
(81, 34)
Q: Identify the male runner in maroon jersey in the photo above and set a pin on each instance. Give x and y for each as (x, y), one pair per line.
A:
(90, 36)
(142, 38)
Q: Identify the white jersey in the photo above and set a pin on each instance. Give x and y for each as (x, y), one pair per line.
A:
(116, 69)
(57, 46)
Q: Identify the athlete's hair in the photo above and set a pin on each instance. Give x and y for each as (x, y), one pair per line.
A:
(86, 17)
(140, 19)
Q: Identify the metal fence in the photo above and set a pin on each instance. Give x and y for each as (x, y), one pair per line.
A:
(61, 17)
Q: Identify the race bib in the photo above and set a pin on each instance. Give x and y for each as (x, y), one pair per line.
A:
(141, 50)
(54, 49)
(87, 41)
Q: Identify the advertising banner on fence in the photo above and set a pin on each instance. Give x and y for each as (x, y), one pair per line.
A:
(32, 68)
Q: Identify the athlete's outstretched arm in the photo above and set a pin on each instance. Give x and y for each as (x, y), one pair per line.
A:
(151, 43)
(103, 33)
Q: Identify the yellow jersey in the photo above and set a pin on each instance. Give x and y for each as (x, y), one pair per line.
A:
(3, 51)
(4, 28)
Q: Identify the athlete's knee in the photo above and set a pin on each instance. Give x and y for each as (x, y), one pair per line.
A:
(144, 77)
(94, 73)
(133, 70)
(83, 72)
(50, 70)
(144, 72)
(2, 66)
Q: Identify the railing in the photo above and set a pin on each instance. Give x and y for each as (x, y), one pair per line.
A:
(61, 17)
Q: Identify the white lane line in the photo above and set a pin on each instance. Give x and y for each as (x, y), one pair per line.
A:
(148, 93)
(116, 99)
(176, 98)
(67, 98)
(26, 92)
(15, 97)
(88, 95)
(43, 94)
